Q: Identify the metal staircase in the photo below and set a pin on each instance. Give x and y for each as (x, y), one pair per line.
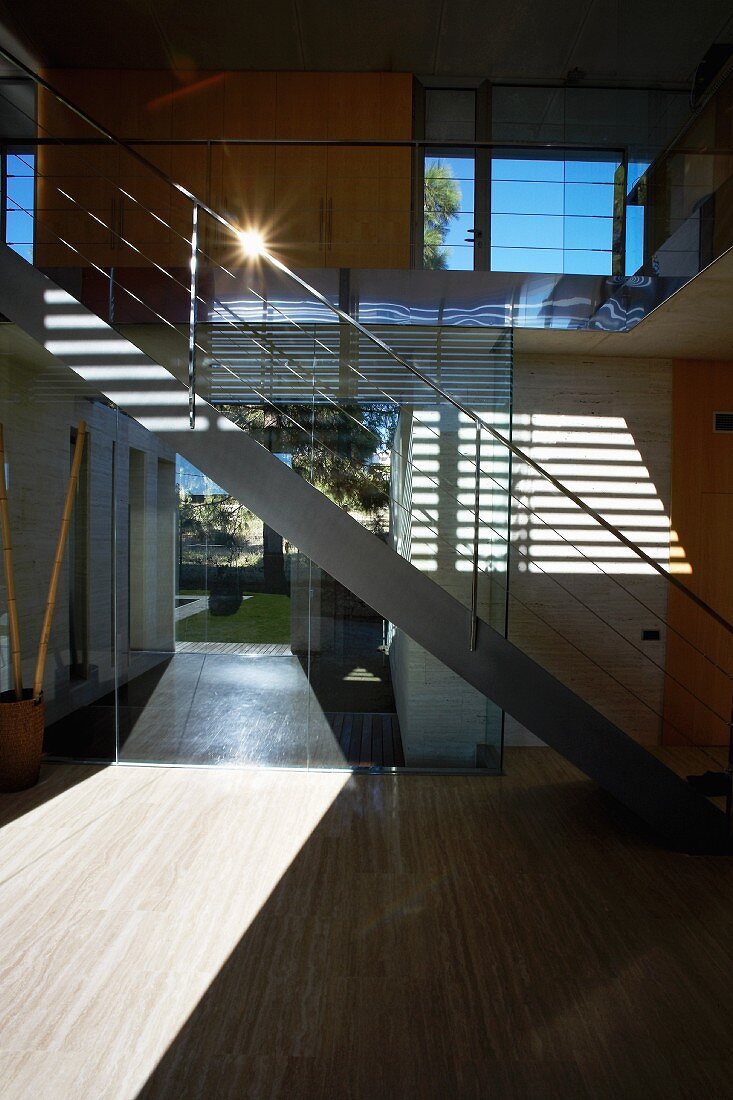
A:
(223, 351)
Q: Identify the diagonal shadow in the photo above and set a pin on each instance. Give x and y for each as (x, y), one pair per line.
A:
(54, 781)
(451, 938)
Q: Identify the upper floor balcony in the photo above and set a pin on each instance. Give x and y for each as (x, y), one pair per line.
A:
(576, 214)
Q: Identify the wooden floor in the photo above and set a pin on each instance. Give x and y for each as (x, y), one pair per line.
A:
(192, 933)
(368, 740)
(247, 649)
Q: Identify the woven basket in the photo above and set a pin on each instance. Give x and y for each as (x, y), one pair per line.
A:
(21, 740)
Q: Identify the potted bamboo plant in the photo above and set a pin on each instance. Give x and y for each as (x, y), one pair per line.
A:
(22, 709)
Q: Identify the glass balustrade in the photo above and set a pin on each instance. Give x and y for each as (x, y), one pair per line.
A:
(225, 635)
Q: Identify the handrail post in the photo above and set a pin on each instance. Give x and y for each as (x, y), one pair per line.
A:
(192, 318)
(476, 507)
(111, 297)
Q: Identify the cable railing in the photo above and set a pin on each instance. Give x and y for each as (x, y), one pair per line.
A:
(464, 550)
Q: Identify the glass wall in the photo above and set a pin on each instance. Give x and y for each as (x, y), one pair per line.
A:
(187, 630)
(551, 200)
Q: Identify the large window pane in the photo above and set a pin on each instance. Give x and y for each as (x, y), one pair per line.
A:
(449, 210)
(586, 233)
(524, 168)
(589, 199)
(586, 262)
(526, 259)
(552, 213)
(527, 198)
(526, 230)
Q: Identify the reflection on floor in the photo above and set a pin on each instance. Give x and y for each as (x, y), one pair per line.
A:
(236, 709)
(179, 934)
(368, 740)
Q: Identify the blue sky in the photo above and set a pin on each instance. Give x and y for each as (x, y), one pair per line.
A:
(20, 185)
(547, 214)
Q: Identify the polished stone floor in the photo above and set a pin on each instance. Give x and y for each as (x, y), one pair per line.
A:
(223, 934)
(235, 709)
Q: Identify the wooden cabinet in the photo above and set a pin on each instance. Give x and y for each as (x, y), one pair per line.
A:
(77, 206)
(298, 228)
(249, 105)
(368, 207)
(316, 205)
(76, 184)
(698, 695)
(243, 189)
(346, 206)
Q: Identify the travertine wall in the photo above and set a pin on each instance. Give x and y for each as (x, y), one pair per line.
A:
(39, 408)
(443, 720)
(602, 427)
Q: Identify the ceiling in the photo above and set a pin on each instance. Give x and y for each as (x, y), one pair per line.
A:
(619, 42)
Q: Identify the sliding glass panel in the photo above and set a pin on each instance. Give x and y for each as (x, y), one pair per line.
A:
(449, 209)
(379, 700)
(276, 663)
(231, 688)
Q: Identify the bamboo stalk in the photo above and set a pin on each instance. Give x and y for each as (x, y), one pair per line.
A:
(9, 578)
(81, 432)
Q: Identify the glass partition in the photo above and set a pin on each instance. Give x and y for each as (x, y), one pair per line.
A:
(42, 406)
(225, 643)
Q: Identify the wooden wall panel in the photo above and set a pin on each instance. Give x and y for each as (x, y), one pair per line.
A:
(249, 105)
(198, 107)
(145, 104)
(346, 207)
(302, 106)
(699, 695)
(297, 231)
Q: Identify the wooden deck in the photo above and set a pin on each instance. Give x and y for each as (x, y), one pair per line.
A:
(246, 649)
(368, 740)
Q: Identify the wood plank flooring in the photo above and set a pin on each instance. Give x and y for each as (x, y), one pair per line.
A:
(249, 649)
(368, 740)
(193, 934)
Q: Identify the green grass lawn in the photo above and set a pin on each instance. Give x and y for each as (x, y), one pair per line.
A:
(260, 620)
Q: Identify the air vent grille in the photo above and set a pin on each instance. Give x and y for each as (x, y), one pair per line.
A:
(723, 422)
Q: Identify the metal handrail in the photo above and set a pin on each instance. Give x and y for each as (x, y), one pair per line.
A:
(480, 425)
(374, 143)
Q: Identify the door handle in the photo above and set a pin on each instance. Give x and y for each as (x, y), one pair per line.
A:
(330, 223)
(320, 222)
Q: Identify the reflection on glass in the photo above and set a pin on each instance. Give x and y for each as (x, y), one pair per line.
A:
(634, 239)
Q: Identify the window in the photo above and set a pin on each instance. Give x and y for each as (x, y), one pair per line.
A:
(635, 216)
(553, 211)
(19, 201)
(449, 179)
(449, 209)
